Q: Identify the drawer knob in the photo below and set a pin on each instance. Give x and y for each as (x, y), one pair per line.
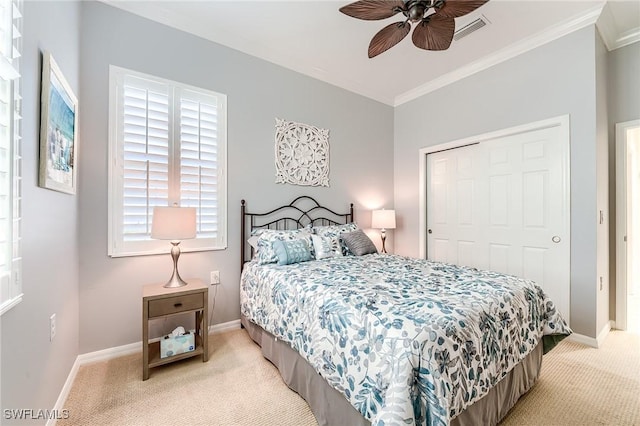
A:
(177, 305)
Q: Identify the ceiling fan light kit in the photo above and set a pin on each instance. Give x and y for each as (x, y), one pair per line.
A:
(434, 20)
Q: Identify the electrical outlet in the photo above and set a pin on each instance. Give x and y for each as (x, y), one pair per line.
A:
(52, 327)
(215, 277)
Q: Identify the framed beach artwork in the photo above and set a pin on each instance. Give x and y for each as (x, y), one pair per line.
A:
(58, 130)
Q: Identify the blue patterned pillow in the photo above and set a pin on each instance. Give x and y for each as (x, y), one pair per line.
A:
(266, 237)
(294, 251)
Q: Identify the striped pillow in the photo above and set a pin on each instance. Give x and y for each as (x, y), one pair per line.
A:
(358, 242)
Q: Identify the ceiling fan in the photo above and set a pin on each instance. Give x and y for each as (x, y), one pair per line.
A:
(434, 21)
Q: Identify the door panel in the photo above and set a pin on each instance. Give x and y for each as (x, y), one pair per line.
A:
(441, 251)
(499, 258)
(466, 253)
(499, 204)
(534, 187)
(533, 263)
(453, 195)
(499, 200)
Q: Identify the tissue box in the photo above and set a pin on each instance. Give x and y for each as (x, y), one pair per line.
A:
(173, 345)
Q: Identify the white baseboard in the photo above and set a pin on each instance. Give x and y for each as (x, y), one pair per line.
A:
(591, 341)
(133, 348)
(225, 326)
(111, 353)
(583, 340)
(64, 393)
(604, 332)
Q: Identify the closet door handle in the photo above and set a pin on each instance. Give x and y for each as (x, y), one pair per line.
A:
(556, 239)
(430, 231)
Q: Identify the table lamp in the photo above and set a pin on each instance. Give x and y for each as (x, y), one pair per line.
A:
(174, 224)
(383, 220)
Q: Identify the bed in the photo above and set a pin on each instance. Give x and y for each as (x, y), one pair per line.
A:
(368, 338)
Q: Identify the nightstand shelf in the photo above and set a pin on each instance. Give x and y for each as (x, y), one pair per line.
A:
(160, 302)
(154, 354)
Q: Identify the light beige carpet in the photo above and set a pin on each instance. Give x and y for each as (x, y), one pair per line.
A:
(578, 386)
(237, 386)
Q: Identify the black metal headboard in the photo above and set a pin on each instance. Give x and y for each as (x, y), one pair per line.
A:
(301, 212)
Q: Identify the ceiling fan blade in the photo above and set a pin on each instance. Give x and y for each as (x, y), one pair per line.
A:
(457, 8)
(372, 10)
(388, 37)
(434, 33)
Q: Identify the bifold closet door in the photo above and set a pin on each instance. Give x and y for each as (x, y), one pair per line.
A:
(503, 205)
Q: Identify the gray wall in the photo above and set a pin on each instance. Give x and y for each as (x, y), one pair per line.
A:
(361, 155)
(552, 80)
(624, 84)
(602, 184)
(623, 94)
(34, 369)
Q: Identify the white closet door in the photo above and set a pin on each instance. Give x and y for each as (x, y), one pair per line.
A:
(453, 219)
(503, 205)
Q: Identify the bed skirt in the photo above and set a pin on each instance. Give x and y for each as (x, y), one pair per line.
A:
(331, 408)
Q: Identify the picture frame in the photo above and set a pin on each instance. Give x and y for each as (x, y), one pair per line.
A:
(58, 130)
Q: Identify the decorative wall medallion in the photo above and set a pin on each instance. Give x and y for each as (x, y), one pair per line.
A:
(302, 154)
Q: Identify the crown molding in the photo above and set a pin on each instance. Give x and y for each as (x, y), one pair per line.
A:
(587, 18)
(611, 37)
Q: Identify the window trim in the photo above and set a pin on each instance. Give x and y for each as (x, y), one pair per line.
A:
(116, 246)
(12, 275)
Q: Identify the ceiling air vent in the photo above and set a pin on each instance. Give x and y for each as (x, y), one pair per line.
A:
(470, 27)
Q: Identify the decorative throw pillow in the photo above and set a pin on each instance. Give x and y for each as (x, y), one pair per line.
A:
(326, 247)
(294, 251)
(359, 243)
(253, 242)
(266, 237)
(335, 231)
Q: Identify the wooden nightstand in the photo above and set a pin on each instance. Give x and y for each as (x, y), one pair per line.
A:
(160, 302)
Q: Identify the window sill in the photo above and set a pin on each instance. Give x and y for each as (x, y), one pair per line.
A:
(166, 251)
(6, 306)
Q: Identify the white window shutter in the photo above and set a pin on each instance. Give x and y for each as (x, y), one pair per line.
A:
(168, 141)
(146, 155)
(199, 162)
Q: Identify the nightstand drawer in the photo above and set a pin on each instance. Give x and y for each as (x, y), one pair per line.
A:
(173, 305)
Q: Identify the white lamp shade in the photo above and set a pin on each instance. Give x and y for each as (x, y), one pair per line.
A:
(383, 219)
(173, 223)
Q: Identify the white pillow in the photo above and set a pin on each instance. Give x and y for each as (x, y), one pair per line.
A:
(335, 231)
(253, 242)
(326, 247)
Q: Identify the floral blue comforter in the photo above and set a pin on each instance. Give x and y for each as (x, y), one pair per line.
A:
(407, 341)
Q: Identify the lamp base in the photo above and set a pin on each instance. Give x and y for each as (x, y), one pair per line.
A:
(383, 235)
(175, 280)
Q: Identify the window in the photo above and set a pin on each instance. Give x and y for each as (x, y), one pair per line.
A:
(167, 145)
(10, 154)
